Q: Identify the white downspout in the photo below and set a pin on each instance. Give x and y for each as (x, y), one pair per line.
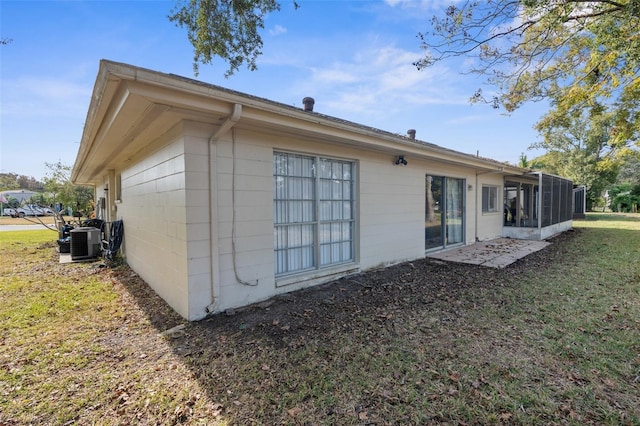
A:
(111, 211)
(228, 123)
(213, 202)
(475, 240)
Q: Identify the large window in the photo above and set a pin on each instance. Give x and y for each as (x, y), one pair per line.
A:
(313, 202)
(489, 199)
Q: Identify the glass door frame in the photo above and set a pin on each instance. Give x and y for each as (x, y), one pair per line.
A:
(443, 208)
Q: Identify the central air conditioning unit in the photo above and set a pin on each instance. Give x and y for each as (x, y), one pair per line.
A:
(85, 243)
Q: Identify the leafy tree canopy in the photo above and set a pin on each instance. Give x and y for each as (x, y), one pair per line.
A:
(581, 146)
(580, 53)
(16, 181)
(58, 184)
(624, 198)
(630, 169)
(229, 29)
(525, 163)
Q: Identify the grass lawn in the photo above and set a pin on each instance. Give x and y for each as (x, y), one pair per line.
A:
(48, 221)
(552, 339)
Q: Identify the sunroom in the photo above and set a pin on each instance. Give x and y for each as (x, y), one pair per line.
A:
(537, 206)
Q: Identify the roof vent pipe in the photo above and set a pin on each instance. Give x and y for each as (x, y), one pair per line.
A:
(411, 133)
(308, 103)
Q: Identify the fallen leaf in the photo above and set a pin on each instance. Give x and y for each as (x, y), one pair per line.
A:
(294, 411)
(362, 415)
(192, 401)
(505, 416)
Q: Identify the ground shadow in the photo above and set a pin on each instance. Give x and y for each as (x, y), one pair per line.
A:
(226, 351)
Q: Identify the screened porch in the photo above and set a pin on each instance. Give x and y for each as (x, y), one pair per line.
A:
(536, 206)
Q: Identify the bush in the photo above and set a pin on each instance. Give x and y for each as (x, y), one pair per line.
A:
(625, 198)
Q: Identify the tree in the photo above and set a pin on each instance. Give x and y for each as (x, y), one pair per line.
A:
(8, 181)
(523, 161)
(630, 169)
(16, 181)
(578, 52)
(624, 198)
(57, 182)
(228, 29)
(581, 147)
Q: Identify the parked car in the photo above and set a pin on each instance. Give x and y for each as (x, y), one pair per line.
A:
(30, 210)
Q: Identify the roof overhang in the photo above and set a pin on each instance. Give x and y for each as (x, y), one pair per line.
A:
(131, 107)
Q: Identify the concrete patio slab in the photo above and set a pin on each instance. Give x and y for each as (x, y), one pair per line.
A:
(498, 253)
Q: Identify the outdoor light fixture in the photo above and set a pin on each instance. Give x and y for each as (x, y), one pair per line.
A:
(400, 161)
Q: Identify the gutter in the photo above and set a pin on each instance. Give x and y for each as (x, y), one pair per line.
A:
(208, 91)
(96, 99)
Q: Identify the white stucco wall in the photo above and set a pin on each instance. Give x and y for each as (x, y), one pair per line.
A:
(197, 199)
(199, 215)
(490, 224)
(392, 203)
(153, 204)
(537, 233)
(390, 213)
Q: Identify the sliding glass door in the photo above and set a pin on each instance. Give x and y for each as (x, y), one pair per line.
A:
(444, 211)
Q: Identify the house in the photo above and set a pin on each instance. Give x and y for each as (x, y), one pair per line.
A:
(20, 195)
(229, 199)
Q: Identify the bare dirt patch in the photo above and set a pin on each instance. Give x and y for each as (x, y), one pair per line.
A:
(408, 286)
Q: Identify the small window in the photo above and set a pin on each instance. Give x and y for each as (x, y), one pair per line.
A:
(489, 199)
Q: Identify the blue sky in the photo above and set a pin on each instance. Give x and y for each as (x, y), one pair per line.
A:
(354, 57)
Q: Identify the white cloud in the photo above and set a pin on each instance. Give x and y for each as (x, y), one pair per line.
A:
(33, 96)
(471, 118)
(277, 30)
(336, 75)
(420, 4)
(379, 80)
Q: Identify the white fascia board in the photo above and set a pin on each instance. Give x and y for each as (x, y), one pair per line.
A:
(191, 97)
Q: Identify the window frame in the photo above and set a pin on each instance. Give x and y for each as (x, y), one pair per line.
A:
(496, 197)
(317, 225)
